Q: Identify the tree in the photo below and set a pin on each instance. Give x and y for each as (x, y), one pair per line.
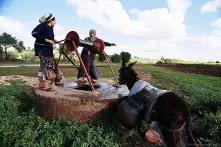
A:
(7, 41)
(1, 52)
(20, 46)
(125, 57)
(115, 58)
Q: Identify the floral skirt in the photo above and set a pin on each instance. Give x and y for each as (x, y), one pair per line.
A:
(49, 64)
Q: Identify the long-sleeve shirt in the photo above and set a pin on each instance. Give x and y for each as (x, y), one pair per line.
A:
(86, 49)
(42, 32)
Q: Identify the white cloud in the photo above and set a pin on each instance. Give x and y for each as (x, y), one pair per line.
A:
(10, 25)
(22, 30)
(59, 31)
(200, 47)
(216, 33)
(160, 31)
(15, 28)
(211, 6)
(179, 6)
(149, 33)
(108, 13)
(217, 23)
(159, 23)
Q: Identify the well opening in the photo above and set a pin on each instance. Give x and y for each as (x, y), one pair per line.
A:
(86, 87)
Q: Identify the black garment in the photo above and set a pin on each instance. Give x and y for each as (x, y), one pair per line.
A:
(42, 32)
(88, 56)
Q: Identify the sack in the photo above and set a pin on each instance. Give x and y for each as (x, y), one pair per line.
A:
(50, 75)
(131, 109)
(127, 113)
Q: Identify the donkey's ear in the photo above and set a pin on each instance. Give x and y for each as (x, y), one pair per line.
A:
(132, 64)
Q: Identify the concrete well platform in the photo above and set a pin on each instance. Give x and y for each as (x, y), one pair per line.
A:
(78, 102)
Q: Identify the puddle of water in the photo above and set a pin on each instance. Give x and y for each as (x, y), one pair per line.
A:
(113, 92)
(108, 91)
(70, 84)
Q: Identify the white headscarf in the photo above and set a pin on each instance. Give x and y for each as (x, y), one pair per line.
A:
(46, 18)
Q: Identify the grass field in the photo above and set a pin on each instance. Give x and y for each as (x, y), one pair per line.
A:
(19, 119)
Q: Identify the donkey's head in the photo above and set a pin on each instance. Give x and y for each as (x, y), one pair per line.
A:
(127, 75)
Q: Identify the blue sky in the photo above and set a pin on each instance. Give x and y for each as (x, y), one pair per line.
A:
(182, 29)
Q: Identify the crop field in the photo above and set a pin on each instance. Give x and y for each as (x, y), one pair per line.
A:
(20, 124)
(205, 69)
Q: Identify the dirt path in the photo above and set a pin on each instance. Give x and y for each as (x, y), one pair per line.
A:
(31, 81)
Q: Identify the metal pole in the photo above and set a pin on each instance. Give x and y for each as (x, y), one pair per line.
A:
(62, 52)
(85, 71)
(108, 62)
(69, 59)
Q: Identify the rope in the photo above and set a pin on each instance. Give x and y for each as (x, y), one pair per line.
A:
(174, 130)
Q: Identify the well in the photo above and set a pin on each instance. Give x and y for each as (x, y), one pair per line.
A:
(79, 102)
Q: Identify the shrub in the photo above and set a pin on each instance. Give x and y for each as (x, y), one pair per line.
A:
(12, 56)
(115, 58)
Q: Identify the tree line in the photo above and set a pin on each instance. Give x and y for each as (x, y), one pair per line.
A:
(7, 41)
(116, 58)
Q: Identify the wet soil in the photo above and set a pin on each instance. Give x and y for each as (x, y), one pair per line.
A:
(212, 70)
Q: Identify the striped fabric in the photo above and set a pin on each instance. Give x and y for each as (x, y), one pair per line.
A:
(153, 94)
(139, 85)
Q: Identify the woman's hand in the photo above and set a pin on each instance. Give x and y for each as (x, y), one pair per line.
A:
(58, 42)
(50, 41)
(113, 44)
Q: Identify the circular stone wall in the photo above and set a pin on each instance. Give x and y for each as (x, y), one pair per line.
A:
(82, 105)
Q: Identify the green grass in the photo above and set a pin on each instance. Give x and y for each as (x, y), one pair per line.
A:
(194, 86)
(20, 125)
(25, 71)
(4, 62)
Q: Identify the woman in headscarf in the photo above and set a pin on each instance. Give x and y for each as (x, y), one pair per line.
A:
(44, 35)
(88, 56)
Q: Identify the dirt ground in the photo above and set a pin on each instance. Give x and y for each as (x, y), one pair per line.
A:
(202, 69)
(31, 81)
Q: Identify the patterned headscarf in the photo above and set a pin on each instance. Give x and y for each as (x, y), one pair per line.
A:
(46, 18)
